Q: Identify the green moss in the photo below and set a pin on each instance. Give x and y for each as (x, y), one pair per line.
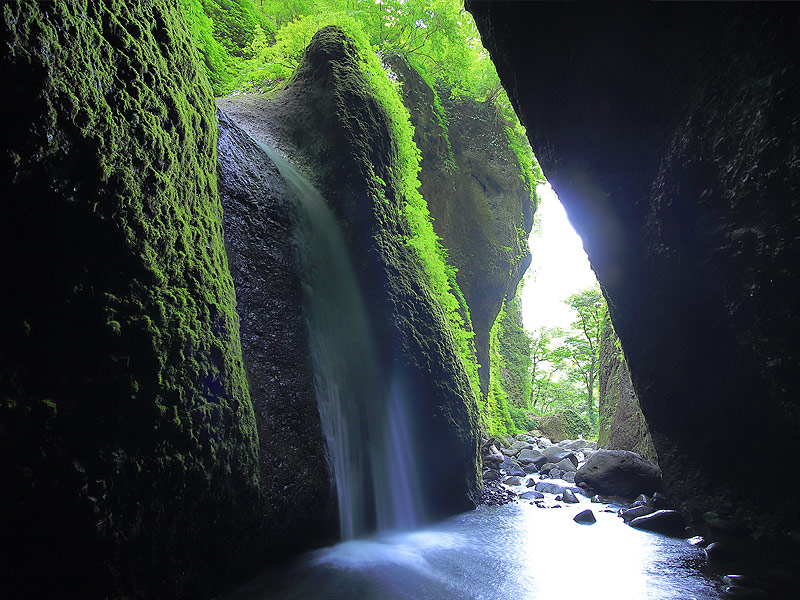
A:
(564, 424)
(505, 409)
(622, 425)
(365, 133)
(123, 283)
(406, 166)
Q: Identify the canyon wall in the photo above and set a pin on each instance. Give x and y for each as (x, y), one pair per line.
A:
(670, 133)
(329, 122)
(128, 446)
(481, 206)
(621, 424)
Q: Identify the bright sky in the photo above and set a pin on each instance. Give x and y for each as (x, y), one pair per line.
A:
(559, 266)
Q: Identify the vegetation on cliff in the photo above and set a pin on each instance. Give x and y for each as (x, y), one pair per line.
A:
(438, 40)
(507, 409)
(343, 128)
(125, 407)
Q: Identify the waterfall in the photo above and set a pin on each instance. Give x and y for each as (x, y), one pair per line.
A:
(364, 415)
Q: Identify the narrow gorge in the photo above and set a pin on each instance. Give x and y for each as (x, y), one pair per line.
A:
(265, 315)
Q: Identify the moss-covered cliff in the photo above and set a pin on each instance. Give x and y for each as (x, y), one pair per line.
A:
(128, 445)
(481, 204)
(331, 121)
(622, 425)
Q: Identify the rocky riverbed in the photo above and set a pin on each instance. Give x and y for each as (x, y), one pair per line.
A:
(532, 469)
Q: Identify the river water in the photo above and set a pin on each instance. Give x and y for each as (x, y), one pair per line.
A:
(511, 552)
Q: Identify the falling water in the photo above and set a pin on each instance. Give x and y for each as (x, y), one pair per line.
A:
(364, 417)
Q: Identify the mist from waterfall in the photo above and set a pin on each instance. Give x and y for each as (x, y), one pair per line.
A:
(364, 413)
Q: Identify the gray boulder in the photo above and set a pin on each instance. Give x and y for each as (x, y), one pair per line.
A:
(512, 481)
(619, 472)
(521, 445)
(516, 471)
(557, 453)
(566, 465)
(585, 517)
(636, 512)
(531, 456)
(532, 495)
(555, 488)
(574, 445)
(489, 475)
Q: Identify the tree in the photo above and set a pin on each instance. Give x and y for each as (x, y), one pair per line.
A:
(564, 362)
(578, 350)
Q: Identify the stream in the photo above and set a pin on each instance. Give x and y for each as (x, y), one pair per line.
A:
(511, 552)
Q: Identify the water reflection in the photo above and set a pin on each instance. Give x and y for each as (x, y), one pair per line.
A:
(511, 552)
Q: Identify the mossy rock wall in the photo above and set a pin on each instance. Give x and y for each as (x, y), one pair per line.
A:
(622, 425)
(563, 425)
(329, 122)
(128, 443)
(480, 204)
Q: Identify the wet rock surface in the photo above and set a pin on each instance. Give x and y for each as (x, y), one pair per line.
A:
(668, 522)
(479, 203)
(329, 123)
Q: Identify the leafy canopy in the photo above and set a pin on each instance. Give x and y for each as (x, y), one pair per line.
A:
(565, 361)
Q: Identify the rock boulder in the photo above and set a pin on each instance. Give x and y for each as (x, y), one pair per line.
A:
(619, 472)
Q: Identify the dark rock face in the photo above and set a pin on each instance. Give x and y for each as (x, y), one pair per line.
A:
(670, 134)
(295, 483)
(619, 472)
(477, 198)
(622, 425)
(128, 445)
(334, 126)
